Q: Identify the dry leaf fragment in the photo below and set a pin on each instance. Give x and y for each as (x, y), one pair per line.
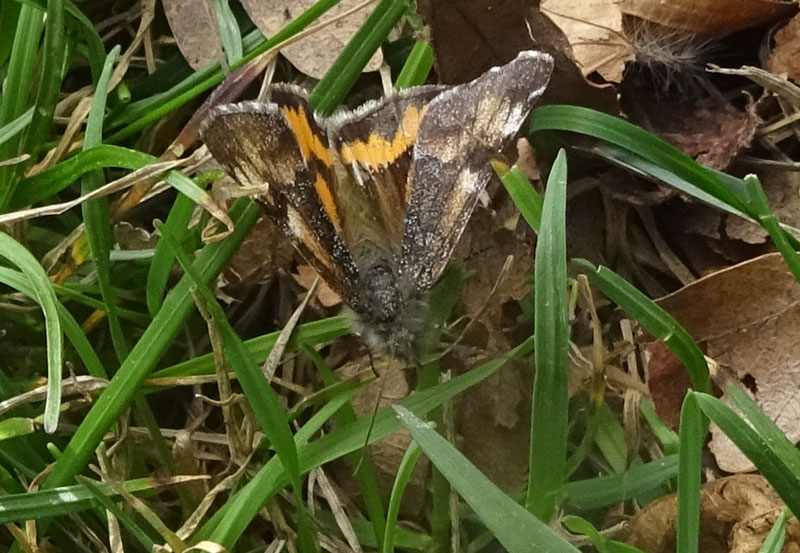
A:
(784, 59)
(314, 54)
(194, 27)
(747, 316)
(736, 513)
(707, 17)
(711, 130)
(594, 31)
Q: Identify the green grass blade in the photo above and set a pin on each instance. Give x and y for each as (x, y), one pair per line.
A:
(605, 491)
(777, 535)
(53, 55)
(265, 404)
(693, 430)
(417, 67)
(72, 329)
(230, 521)
(46, 298)
(700, 181)
(760, 440)
(549, 413)
(141, 114)
(161, 264)
(146, 352)
(9, 15)
(652, 317)
(13, 128)
(668, 438)
(41, 504)
(513, 526)
(96, 212)
(124, 517)
(527, 200)
(17, 84)
(229, 34)
(401, 480)
(336, 83)
(766, 218)
(55, 179)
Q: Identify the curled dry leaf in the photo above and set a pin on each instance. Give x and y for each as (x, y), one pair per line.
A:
(594, 31)
(736, 514)
(747, 317)
(711, 131)
(194, 27)
(707, 17)
(314, 54)
(667, 381)
(468, 38)
(784, 59)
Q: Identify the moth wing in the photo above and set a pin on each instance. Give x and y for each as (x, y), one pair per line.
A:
(461, 131)
(277, 147)
(374, 144)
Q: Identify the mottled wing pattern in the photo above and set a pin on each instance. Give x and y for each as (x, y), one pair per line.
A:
(279, 148)
(374, 144)
(462, 130)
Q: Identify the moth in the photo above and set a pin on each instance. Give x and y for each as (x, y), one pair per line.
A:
(376, 199)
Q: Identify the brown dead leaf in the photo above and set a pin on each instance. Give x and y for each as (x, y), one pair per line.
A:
(708, 17)
(470, 36)
(594, 31)
(712, 131)
(736, 513)
(263, 253)
(305, 277)
(747, 316)
(668, 383)
(314, 54)
(784, 60)
(783, 192)
(194, 27)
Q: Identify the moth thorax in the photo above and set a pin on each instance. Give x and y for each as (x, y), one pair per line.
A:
(381, 292)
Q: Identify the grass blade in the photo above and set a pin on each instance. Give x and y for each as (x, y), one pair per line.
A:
(266, 406)
(514, 527)
(401, 480)
(333, 87)
(144, 355)
(46, 298)
(693, 429)
(96, 214)
(417, 67)
(525, 197)
(549, 413)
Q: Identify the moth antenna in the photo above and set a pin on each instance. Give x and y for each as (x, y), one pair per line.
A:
(374, 411)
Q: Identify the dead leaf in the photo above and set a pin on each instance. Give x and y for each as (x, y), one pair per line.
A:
(470, 36)
(710, 130)
(667, 381)
(594, 31)
(264, 253)
(708, 17)
(314, 54)
(784, 60)
(747, 317)
(195, 29)
(736, 513)
(782, 188)
(305, 277)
